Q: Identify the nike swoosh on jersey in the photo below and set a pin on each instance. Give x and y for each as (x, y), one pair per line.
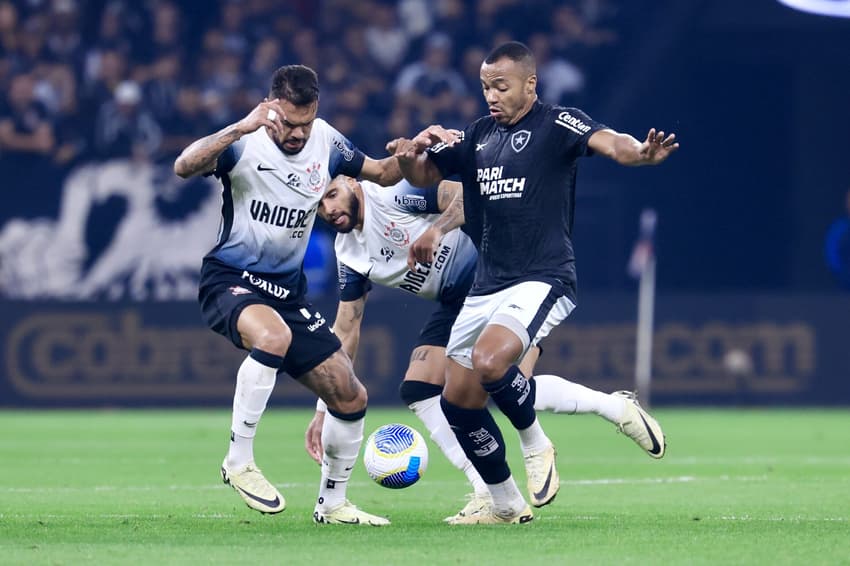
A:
(261, 168)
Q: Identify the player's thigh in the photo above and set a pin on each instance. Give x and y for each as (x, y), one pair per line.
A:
(427, 364)
(428, 359)
(261, 326)
(470, 322)
(333, 380)
(531, 309)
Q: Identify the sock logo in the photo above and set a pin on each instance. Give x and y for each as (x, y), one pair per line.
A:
(331, 484)
(523, 387)
(485, 442)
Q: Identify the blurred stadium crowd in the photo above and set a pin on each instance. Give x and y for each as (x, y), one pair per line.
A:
(87, 80)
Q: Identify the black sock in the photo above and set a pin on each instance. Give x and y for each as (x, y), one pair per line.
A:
(413, 391)
(514, 395)
(481, 440)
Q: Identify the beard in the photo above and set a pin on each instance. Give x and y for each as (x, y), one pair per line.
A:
(353, 214)
(289, 151)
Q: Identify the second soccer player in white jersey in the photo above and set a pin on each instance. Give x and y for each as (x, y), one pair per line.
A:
(376, 228)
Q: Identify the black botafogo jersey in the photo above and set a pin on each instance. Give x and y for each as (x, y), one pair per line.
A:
(519, 194)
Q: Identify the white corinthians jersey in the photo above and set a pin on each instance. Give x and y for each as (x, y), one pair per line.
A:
(393, 218)
(270, 201)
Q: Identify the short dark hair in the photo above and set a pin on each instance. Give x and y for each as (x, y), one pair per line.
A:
(515, 51)
(296, 84)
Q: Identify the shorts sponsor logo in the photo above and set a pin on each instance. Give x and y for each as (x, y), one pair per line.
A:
(237, 290)
(519, 140)
(318, 323)
(273, 289)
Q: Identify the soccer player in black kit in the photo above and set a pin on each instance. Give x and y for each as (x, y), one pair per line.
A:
(518, 167)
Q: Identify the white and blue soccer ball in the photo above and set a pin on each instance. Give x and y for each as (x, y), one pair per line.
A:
(395, 456)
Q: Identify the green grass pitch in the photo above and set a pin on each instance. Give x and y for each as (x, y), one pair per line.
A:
(142, 487)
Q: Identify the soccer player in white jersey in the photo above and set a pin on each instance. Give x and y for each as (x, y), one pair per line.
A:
(518, 168)
(274, 165)
(377, 228)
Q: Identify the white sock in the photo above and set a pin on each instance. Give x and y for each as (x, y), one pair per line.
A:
(561, 396)
(254, 385)
(507, 500)
(341, 440)
(533, 440)
(431, 415)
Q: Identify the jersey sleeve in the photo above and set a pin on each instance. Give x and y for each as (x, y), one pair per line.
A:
(228, 158)
(352, 285)
(407, 198)
(345, 158)
(449, 159)
(574, 128)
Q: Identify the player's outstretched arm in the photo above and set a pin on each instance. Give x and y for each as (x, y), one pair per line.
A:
(450, 203)
(200, 157)
(385, 171)
(411, 157)
(626, 150)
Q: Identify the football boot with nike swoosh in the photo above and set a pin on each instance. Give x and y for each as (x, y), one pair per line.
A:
(639, 425)
(543, 480)
(253, 487)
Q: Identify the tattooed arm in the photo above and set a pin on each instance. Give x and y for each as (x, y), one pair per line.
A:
(450, 203)
(201, 156)
(349, 316)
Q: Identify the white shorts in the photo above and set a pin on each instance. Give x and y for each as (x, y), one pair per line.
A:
(530, 310)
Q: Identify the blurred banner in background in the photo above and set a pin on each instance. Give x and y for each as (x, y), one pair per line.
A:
(741, 349)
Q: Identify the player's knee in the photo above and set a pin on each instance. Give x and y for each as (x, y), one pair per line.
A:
(274, 340)
(489, 365)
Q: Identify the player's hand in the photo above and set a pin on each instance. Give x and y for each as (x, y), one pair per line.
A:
(656, 148)
(432, 135)
(313, 437)
(268, 113)
(424, 248)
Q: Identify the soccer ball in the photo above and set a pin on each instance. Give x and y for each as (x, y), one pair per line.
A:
(395, 456)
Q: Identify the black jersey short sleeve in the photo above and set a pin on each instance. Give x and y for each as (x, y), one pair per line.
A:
(574, 128)
(228, 158)
(352, 285)
(450, 159)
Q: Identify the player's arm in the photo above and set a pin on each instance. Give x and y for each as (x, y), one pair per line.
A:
(411, 156)
(349, 316)
(626, 150)
(202, 155)
(385, 171)
(450, 204)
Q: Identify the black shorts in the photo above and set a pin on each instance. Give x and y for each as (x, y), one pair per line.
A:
(437, 330)
(223, 294)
